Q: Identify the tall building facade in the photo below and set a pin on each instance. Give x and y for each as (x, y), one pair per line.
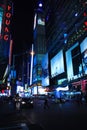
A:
(5, 34)
(39, 47)
(64, 20)
(66, 30)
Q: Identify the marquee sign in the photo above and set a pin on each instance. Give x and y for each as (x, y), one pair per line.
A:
(8, 15)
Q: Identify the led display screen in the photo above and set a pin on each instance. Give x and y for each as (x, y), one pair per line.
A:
(45, 71)
(57, 64)
(73, 61)
(34, 90)
(83, 47)
(1, 17)
(34, 75)
(35, 60)
(76, 59)
(19, 89)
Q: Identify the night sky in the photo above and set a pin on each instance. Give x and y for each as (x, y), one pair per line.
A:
(22, 25)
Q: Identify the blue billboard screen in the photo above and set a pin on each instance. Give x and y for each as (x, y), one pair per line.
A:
(57, 64)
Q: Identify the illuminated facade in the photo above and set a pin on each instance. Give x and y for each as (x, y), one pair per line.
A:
(39, 46)
(5, 36)
(65, 23)
(66, 29)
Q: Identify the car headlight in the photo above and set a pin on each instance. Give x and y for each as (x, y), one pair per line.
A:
(23, 102)
(31, 102)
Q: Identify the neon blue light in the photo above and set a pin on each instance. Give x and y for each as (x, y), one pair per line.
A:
(1, 17)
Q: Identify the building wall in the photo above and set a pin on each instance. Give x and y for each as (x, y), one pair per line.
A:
(6, 6)
(39, 46)
(64, 17)
(65, 26)
(39, 33)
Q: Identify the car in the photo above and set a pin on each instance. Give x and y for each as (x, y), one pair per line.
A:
(27, 102)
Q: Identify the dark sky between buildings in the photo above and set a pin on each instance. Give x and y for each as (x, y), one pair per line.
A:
(22, 25)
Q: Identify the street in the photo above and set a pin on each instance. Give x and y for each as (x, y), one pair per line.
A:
(68, 115)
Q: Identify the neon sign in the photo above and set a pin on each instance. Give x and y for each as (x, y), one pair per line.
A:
(7, 23)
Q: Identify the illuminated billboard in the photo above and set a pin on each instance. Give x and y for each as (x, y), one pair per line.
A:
(45, 71)
(57, 64)
(1, 18)
(73, 62)
(83, 47)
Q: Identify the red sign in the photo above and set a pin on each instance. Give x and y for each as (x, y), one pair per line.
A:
(7, 23)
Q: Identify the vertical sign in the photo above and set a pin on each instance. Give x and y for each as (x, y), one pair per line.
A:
(8, 15)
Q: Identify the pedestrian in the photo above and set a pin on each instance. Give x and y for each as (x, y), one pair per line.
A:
(18, 102)
(46, 103)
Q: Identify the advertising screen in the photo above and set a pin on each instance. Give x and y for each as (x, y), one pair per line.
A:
(83, 47)
(57, 64)
(1, 17)
(45, 71)
(76, 60)
(34, 75)
(73, 61)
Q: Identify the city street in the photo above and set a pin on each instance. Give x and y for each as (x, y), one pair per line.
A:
(68, 115)
(43, 54)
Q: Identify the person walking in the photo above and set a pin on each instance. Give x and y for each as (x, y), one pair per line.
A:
(18, 102)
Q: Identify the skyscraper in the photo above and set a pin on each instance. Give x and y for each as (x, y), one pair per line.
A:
(5, 34)
(39, 46)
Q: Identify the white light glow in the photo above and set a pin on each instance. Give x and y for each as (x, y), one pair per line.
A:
(63, 89)
(40, 5)
(32, 54)
(35, 18)
(41, 90)
(20, 89)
